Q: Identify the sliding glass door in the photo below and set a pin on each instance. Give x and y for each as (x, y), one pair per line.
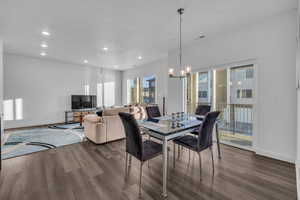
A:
(236, 123)
(199, 90)
(231, 91)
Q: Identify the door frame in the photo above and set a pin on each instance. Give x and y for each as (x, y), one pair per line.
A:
(253, 62)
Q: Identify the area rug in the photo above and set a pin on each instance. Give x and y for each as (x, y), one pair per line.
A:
(22, 142)
(66, 126)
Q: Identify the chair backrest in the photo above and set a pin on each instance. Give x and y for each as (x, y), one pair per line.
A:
(206, 130)
(202, 109)
(153, 111)
(133, 135)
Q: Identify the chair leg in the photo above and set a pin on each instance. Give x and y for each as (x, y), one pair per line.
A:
(126, 157)
(174, 154)
(129, 161)
(189, 155)
(168, 152)
(212, 159)
(178, 151)
(200, 165)
(140, 184)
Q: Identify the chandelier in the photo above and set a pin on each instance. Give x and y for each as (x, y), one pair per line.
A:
(185, 71)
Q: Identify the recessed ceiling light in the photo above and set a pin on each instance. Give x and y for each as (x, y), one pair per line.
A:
(86, 61)
(140, 57)
(105, 48)
(116, 66)
(44, 45)
(43, 54)
(46, 33)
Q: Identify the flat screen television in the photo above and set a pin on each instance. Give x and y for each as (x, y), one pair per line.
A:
(83, 101)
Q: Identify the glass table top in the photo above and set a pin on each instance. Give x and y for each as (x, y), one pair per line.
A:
(172, 123)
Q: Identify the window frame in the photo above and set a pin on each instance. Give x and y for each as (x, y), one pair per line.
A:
(142, 89)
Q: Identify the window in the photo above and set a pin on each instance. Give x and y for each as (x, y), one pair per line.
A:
(109, 94)
(247, 93)
(87, 89)
(13, 109)
(99, 95)
(203, 77)
(133, 91)
(141, 91)
(202, 94)
(249, 73)
(244, 93)
(203, 87)
(19, 108)
(8, 109)
(148, 90)
(238, 93)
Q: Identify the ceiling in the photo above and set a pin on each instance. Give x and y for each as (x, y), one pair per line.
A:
(80, 29)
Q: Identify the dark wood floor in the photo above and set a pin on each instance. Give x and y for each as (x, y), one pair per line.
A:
(86, 172)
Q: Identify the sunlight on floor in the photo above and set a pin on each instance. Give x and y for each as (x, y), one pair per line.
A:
(236, 138)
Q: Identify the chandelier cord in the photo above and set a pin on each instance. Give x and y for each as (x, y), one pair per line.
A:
(180, 38)
(183, 72)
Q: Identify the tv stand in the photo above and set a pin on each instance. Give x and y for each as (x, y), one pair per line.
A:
(75, 116)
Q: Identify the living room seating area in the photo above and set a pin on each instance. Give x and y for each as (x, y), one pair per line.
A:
(172, 99)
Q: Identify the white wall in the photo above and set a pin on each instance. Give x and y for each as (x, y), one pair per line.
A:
(272, 43)
(298, 102)
(1, 84)
(46, 87)
(157, 68)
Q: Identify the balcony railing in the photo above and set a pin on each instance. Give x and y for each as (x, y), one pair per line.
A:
(236, 118)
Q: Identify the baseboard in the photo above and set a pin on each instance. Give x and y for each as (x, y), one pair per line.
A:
(274, 155)
(298, 177)
(33, 126)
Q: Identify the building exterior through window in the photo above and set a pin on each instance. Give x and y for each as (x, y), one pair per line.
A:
(231, 91)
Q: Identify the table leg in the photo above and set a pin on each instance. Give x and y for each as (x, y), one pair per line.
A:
(218, 140)
(165, 167)
(80, 119)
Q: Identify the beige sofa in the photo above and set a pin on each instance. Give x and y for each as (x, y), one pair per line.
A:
(106, 128)
(109, 127)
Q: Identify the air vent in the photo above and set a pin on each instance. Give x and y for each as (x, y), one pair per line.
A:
(200, 37)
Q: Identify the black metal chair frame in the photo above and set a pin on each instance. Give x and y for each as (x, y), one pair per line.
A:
(135, 147)
(199, 149)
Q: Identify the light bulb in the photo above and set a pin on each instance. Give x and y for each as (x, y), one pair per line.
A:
(46, 33)
(44, 45)
(182, 72)
(188, 69)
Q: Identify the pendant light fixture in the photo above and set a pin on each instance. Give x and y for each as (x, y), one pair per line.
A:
(185, 71)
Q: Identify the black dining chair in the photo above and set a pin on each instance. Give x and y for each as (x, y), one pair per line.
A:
(153, 112)
(202, 109)
(203, 141)
(135, 146)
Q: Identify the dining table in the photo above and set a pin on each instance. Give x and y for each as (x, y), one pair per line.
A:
(169, 127)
